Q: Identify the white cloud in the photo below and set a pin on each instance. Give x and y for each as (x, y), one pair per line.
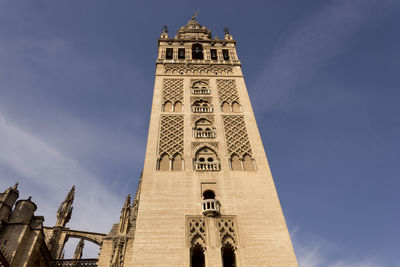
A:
(47, 175)
(313, 251)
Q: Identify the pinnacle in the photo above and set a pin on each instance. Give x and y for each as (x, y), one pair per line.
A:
(15, 186)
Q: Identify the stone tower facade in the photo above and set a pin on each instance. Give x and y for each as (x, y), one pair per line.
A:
(206, 197)
(207, 194)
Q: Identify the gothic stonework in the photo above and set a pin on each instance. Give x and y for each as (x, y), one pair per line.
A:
(196, 231)
(227, 232)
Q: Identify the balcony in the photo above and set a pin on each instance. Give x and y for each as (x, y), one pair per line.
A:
(206, 166)
(201, 91)
(205, 109)
(204, 133)
(211, 207)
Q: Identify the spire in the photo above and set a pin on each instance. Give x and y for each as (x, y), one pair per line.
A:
(124, 225)
(79, 250)
(65, 210)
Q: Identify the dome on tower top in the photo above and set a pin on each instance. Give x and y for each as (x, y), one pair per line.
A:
(194, 30)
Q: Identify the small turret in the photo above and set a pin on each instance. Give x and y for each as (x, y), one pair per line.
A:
(7, 201)
(65, 210)
(23, 212)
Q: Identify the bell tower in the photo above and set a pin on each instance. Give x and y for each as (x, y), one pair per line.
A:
(207, 194)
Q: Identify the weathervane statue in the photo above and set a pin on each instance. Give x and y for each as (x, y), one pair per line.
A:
(195, 15)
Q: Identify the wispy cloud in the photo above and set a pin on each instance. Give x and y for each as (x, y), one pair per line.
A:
(308, 45)
(46, 174)
(50, 174)
(314, 251)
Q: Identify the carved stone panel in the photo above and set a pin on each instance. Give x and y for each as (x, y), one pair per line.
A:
(227, 232)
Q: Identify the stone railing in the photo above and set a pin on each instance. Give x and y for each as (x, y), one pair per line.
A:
(201, 91)
(76, 263)
(203, 134)
(211, 207)
(206, 166)
(198, 109)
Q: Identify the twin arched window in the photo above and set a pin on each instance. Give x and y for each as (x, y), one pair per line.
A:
(234, 107)
(244, 164)
(175, 107)
(165, 163)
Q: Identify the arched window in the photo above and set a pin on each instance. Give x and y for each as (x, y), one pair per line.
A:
(226, 108)
(206, 155)
(168, 106)
(203, 128)
(177, 163)
(200, 87)
(197, 51)
(248, 163)
(178, 107)
(197, 258)
(164, 163)
(208, 194)
(235, 163)
(228, 256)
(202, 106)
(236, 107)
(206, 160)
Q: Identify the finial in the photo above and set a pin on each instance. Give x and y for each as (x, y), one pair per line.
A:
(165, 29)
(15, 186)
(30, 198)
(226, 30)
(195, 15)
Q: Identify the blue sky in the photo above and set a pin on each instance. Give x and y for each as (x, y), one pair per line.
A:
(76, 81)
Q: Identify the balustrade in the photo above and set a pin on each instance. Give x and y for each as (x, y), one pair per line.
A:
(204, 133)
(207, 166)
(211, 207)
(198, 109)
(201, 91)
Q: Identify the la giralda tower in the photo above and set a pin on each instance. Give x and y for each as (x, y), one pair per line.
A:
(207, 196)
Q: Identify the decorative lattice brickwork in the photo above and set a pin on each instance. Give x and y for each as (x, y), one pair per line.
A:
(236, 136)
(171, 135)
(198, 69)
(196, 231)
(173, 90)
(227, 232)
(227, 91)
